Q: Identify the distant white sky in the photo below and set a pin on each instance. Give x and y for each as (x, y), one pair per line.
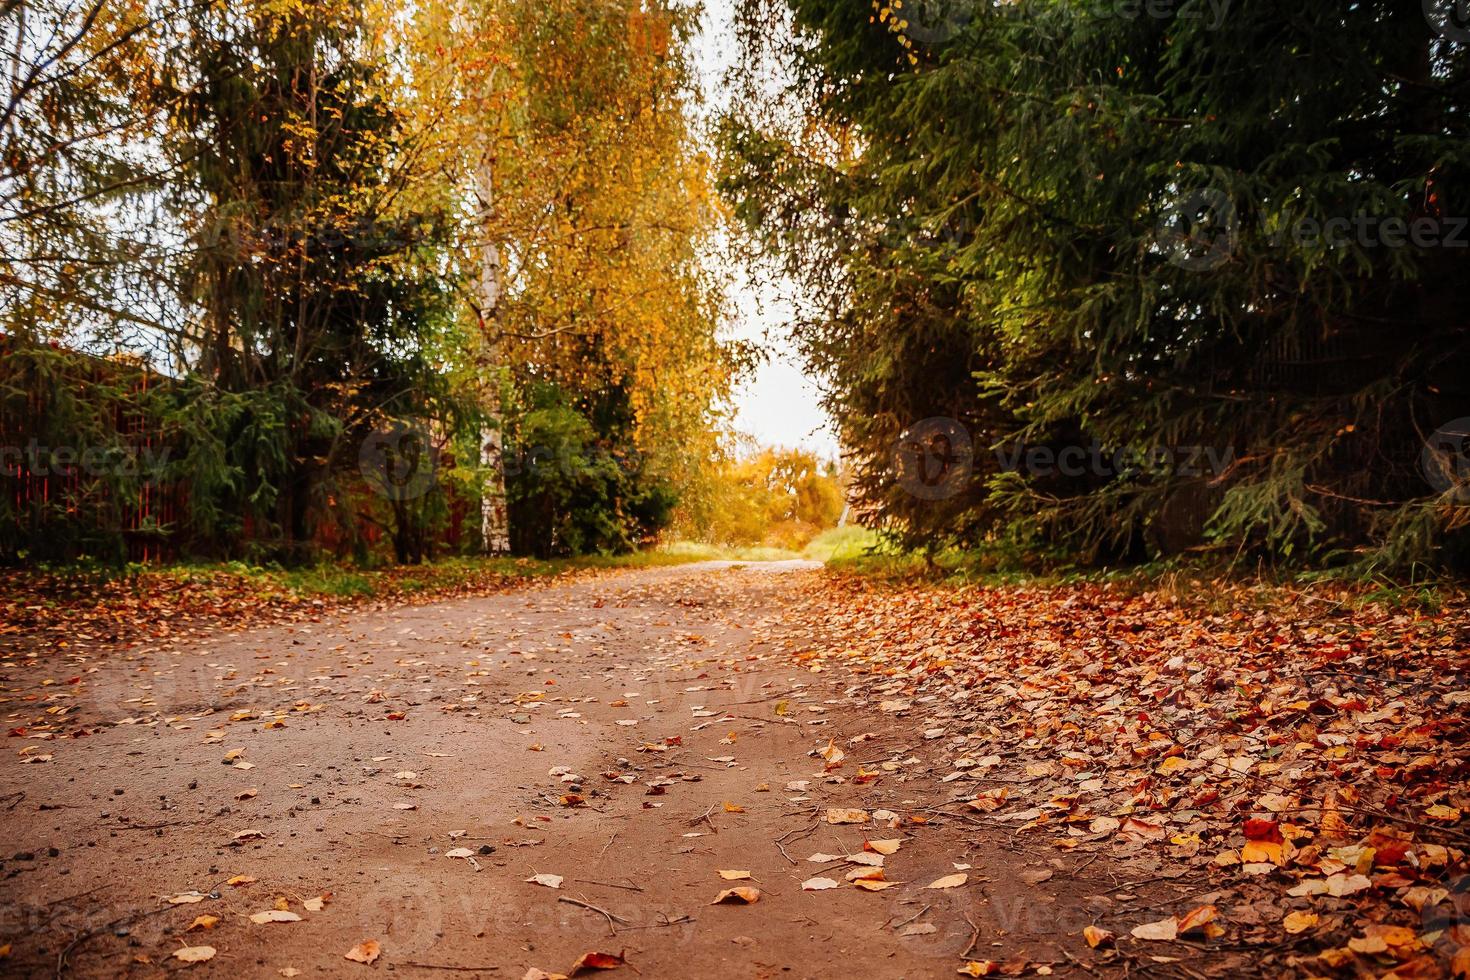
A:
(778, 405)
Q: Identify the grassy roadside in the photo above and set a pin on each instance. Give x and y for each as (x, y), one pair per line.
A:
(860, 553)
(62, 606)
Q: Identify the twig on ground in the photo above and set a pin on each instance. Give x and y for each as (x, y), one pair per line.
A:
(442, 966)
(607, 884)
(974, 938)
(900, 925)
(598, 909)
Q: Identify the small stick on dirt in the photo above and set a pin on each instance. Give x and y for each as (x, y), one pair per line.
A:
(1147, 881)
(83, 937)
(72, 898)
(1078, 963)
(667, 922)
(461, 969)
(900, 925)
(782, 840)
(155, 826)
(1085, 863)
(974, 939)
(607, 845)
(607, 884)
(600, 911)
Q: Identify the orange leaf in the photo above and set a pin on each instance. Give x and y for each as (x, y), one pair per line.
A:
(744, 895)
(364, 952)
(596, 961)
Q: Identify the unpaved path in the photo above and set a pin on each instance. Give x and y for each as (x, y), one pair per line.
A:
(364, 747)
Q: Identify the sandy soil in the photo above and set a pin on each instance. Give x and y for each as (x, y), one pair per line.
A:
(348, 757)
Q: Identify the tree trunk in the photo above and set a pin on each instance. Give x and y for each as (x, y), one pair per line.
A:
(494, 522)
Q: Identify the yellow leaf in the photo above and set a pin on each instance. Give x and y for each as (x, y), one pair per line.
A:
(871, 885)
(949, 881)
(1261, 852)
(1296, 922)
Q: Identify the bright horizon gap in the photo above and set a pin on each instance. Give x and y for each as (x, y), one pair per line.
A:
(778, 405)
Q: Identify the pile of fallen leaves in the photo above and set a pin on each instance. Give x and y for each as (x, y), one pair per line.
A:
(1301, 758)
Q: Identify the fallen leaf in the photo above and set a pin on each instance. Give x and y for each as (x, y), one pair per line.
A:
(734, 875)
(840, 816)
(949, 881)
(596, 961)
(1296, 922)
(366, 951)
(1098, 937)
(203, 922)
(274, 915)
(744, 895)
(882, 846)
(550, 881)
(873, 885)
(818, 884)
(194, 954)
(1162, 930)
(1198, 918)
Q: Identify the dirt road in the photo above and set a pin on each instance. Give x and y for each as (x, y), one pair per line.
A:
(632, 736)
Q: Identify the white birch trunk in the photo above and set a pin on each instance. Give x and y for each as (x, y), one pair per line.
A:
(494, 521)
